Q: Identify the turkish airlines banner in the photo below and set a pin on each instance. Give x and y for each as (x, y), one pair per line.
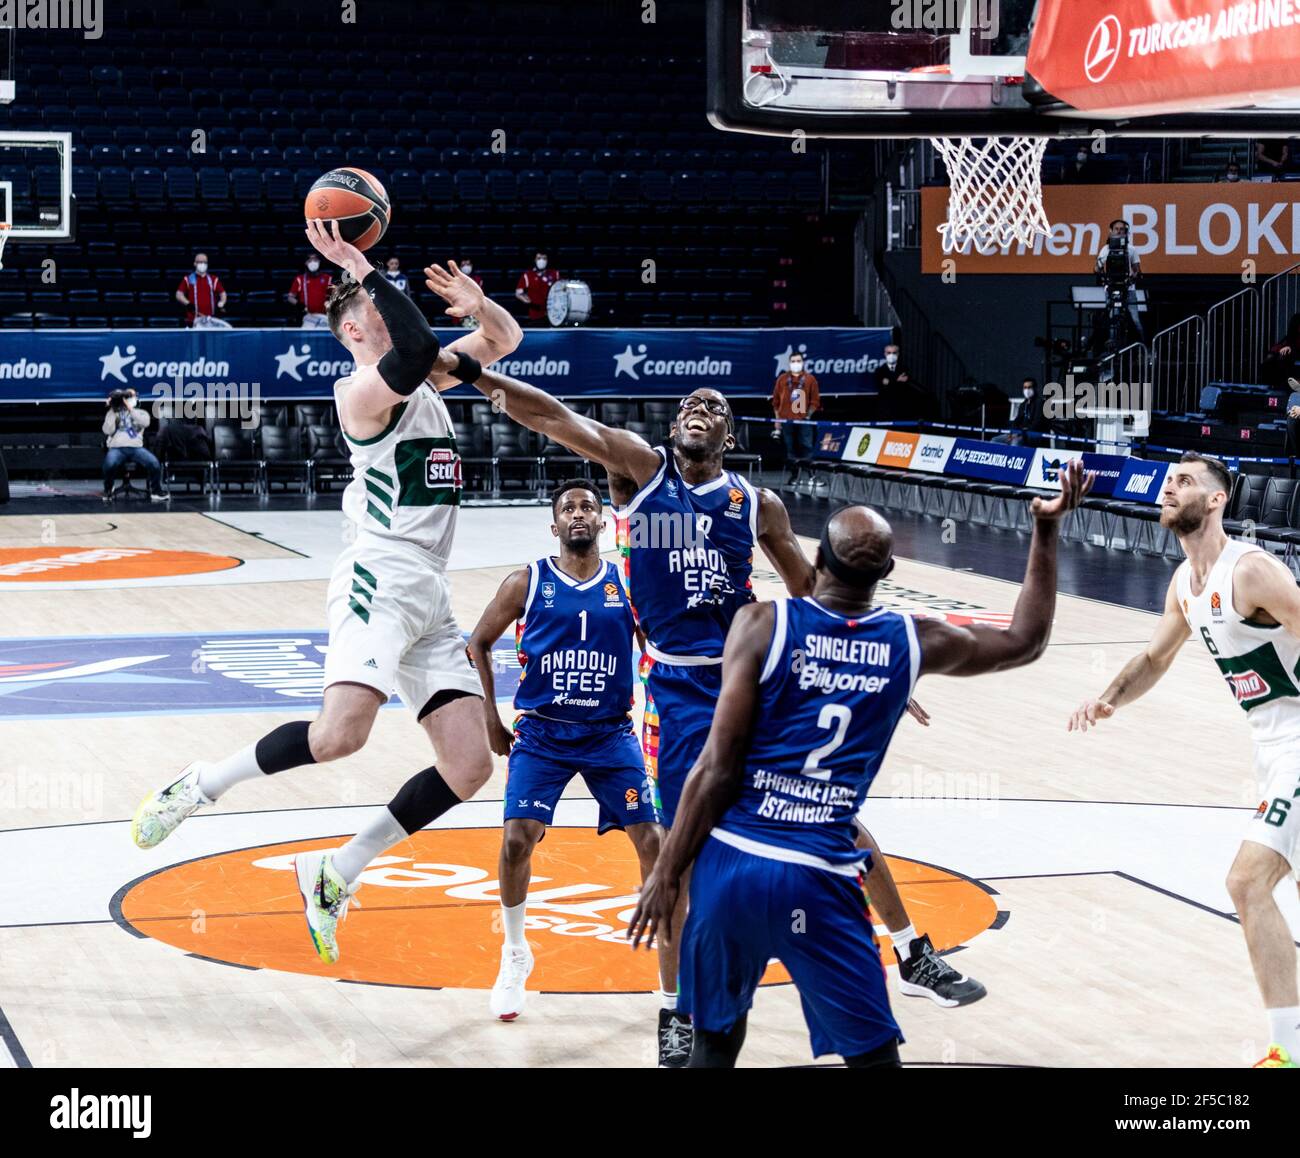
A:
(1140, 57)
(1212, 228)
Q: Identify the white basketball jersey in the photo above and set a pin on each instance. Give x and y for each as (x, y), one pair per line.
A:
(407, 478)
(1260, 663)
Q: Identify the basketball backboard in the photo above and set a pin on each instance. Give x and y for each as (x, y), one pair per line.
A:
(924, 68)
(36, 185)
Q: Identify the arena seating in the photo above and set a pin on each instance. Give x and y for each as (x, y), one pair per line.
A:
(175, 120)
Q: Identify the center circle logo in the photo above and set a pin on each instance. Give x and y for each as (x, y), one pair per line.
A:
(430, 916)
(1103, 49)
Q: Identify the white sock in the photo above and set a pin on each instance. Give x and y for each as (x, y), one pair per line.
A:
(214, 779)
(667, 1000)
(1284, 1026)
(903, 942)
(512, 920)
(380, 832)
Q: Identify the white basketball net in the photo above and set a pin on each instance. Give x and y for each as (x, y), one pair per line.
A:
(996, 190)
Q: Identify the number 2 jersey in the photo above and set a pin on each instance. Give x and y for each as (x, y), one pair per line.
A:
(831, 693)
(575, 647)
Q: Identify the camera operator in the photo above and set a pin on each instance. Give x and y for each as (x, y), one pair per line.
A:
(124, 424)
(1119, 269)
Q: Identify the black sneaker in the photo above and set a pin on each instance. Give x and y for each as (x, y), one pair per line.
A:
(675, 1037)
(926, 974)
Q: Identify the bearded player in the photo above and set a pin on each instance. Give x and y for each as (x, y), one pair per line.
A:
(389, 602)
(690, 527)
(1245, 607)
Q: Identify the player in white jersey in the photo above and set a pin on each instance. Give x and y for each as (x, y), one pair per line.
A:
(389, 603)
(1245, 607)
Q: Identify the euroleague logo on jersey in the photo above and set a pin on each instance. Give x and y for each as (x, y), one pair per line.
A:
(611, 595)
(736, 501)
(1216, 606)
(430, 914)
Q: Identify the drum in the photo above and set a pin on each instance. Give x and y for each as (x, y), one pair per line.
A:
(568, 303)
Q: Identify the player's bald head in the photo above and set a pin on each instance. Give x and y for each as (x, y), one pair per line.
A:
(861, 541)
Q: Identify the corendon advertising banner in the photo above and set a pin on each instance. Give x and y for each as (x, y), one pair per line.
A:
(1148, 56)
(1211, 228)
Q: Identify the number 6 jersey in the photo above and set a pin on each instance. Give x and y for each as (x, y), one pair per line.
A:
(831, 693)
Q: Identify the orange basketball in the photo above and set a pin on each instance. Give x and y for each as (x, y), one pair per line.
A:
(354, 199)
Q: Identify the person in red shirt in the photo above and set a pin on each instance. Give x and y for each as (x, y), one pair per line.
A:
(534, 285)
(796, 395)
(202, 292)
(309, 290)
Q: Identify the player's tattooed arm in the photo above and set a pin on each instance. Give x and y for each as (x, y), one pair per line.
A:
(1142, 672)
(716, 778)
(620, 452)
(968, 651)
(507, 607)
(781, 547)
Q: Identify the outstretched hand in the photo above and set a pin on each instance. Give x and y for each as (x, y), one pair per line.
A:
(323, 233)
(1089, 714)
(463, 295)
(1075, 484)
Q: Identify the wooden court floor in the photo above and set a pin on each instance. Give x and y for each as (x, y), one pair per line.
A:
(1079, 877)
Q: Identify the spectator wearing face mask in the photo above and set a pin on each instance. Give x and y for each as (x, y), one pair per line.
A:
(900, 395)
(309, 290)
(393, 272)
(1232, 174)
(1082, 169)
(796, 396)
(1030, 420)
(203, 294)
(534, 285)
(124, 425)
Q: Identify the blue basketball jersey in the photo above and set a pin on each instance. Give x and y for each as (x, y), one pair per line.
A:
(690, 551)
(831, 693)
(575, 646)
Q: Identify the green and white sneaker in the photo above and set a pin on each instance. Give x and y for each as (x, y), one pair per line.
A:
(326, 896)
(160, 813)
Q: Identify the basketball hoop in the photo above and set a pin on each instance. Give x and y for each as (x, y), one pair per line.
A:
(996, 190)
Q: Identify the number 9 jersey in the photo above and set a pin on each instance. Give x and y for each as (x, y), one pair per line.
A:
(831, 693)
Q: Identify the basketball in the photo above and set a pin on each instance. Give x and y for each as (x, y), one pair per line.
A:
(354, 199)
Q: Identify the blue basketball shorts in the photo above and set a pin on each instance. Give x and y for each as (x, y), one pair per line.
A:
(746, 910)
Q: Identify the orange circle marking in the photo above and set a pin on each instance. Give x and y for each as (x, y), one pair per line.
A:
(76, 564)
(431, 917)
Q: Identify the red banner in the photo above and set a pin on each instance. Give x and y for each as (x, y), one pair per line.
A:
(1140, 57)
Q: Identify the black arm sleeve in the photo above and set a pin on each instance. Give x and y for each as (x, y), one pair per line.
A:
(415, 347)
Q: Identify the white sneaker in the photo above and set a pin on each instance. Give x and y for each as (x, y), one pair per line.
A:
(326, 897)
(508, 993)
(160, 813)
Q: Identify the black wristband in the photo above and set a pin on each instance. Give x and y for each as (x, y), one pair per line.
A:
(467, 369)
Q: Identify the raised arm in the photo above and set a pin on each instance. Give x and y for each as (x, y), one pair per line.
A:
(415, 354)
(507, 607)
(969, 651)
(498, 334)
(1143, 671)
(781, 547)
(716, 776)
(622, 453)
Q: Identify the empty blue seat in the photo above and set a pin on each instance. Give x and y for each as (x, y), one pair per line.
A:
(180, 184)
(148, 185)
(246, 186)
